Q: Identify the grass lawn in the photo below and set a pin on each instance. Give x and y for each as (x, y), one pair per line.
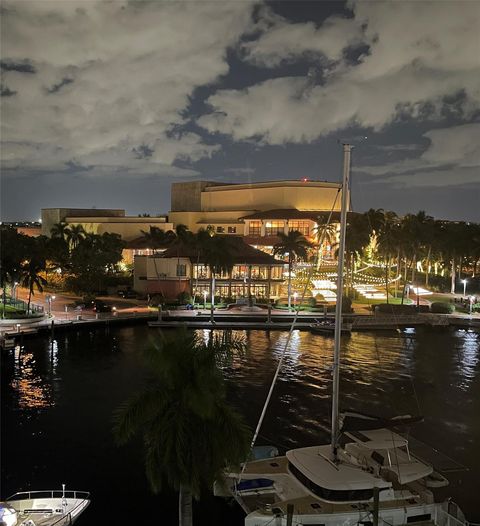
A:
(7, 311)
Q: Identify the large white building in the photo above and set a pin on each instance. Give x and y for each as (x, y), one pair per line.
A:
(254, 209)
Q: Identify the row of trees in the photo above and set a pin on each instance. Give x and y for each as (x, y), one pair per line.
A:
(85, 259)
(411, 243)
(408, 244)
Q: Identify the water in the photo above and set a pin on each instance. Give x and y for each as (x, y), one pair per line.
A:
(58, 399)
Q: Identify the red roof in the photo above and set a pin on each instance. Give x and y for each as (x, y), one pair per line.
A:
(241, 252)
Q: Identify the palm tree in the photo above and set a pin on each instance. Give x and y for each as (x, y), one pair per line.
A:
(357, 238)
(388, 241)
(199, 242)
(295, 246)
(217, 255)
(31, 277)
(74, 234)
(158, 238)
(324, 232)
(190, 433)
(60, 230)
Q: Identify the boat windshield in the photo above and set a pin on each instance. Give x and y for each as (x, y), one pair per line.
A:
(333, 495)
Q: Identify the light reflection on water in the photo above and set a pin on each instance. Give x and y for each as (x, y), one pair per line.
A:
(86, 375)
(32, 391)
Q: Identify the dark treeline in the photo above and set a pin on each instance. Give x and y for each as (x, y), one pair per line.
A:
(84, 260)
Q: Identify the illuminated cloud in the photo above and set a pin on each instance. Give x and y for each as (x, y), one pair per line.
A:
(92, 83)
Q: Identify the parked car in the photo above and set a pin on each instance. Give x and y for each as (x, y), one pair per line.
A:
(129, 293)
(101, 306)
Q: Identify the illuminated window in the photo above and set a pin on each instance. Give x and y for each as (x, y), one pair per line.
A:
(220, 229)
(301, 226)
(274, 227)
(232, 229)
(200, 272)
(255, 228)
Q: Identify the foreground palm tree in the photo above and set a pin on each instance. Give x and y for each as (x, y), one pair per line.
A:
(189, 431)
(295, 246)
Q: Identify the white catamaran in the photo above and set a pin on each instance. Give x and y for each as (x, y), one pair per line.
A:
(366, 476)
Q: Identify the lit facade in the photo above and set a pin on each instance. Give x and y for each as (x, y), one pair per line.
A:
(99, 221)
(179, 270)
(227, 208)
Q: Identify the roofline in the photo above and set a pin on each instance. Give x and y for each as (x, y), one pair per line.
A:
(271, 184)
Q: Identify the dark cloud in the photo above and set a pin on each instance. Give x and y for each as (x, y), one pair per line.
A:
(20, 67)
(57, 87)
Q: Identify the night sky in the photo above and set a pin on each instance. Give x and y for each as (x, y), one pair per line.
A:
(105, 104)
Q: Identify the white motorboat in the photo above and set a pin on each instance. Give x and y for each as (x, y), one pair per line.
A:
(366, 475)
(43, 508)
(7, 342)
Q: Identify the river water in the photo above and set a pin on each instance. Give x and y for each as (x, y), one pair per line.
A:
(58, 397)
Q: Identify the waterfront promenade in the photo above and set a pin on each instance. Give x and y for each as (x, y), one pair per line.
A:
(62, 314)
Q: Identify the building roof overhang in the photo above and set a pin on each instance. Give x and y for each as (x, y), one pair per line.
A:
(242, 253)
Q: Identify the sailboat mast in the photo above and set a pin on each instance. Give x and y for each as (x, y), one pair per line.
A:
(347, 148)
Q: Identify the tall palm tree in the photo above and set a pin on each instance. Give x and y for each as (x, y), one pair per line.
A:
(31, 277)
(387, 242)
(199, 242)
(74, 234)
(324, 232)
(295, 246)
(356, 240)
(189, 431)
(217, 255)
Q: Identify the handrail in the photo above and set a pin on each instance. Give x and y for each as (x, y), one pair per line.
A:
(76, 494)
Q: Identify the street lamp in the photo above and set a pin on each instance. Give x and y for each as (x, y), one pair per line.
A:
(49, 300)
(464, 281)
(295, 296)
(205, 299)
(14, 291)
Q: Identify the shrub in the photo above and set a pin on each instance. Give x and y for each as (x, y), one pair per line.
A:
(156, 299)
(442, 308)
(184, 298)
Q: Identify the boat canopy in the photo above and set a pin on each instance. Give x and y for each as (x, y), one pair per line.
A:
(315, 464)
(378, 439)
(351, 421)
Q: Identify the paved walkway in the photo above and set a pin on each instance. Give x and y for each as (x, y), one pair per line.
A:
(63, 312)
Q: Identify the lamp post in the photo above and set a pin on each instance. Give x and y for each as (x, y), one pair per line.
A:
(464, 281)
(295, 296)
(205, 299)
(49, 300)
(15, 292)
